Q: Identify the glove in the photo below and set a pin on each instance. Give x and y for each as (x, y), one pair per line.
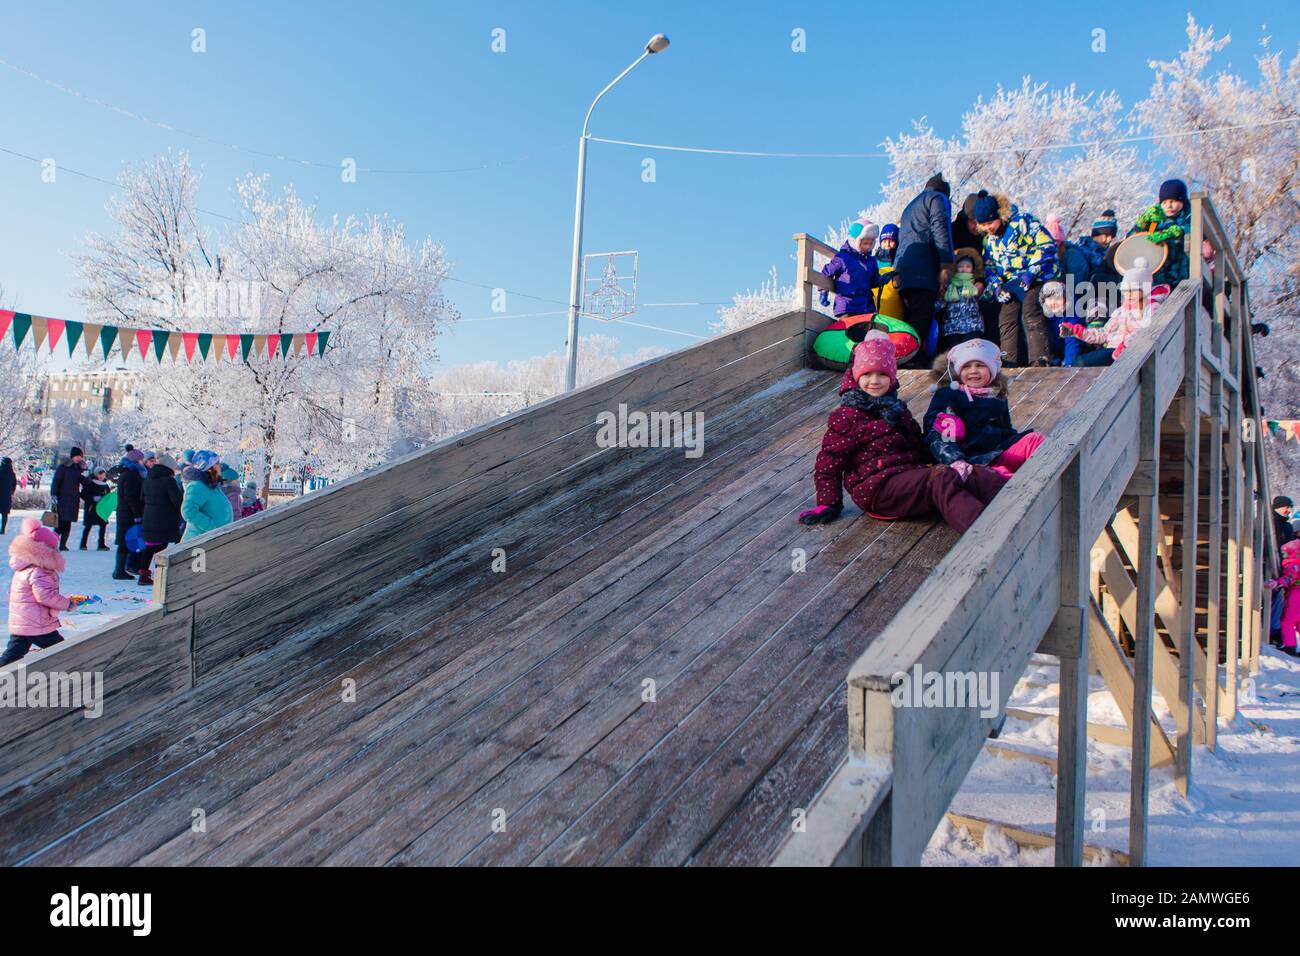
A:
(1026, 280)
(822, 514)
(950, 427)
(962, 468)
(824, 298)
(1004, 296)
(1118, 351)
(1071, 329)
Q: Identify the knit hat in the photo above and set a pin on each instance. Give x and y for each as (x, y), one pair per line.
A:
(204, 460)
(1138, 277)
(1054, 228)
(1106, 223)
(150, 454)
(977, 260)
(1282, 501)
(39, 533)
(986, 207)
(167, 461)
(937, 183)
(75, 452)
(250, 486)
(1173, 189)
(1051, 291)
(875, 353)
(187, 456)
(861, 229)
(228, 473)
(974, 350)
(135, 455)
(889, 232)
(1291, 547)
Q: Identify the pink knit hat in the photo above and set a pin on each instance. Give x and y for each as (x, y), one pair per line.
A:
(1292, 546)
(1054, 228)
(875, 353)
(38, 532)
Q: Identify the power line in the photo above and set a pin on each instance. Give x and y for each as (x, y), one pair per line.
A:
(211, 140)
(1112, 141)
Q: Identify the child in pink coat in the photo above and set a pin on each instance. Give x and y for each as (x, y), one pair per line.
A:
(34, 597)
(1289, 579)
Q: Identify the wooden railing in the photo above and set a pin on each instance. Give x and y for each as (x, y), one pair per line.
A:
(1022, 580)
(251, 586)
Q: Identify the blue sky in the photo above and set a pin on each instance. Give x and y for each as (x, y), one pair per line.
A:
(417, 86)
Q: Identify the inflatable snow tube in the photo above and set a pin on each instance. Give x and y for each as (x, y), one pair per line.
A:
(832, 348)
(906, 344)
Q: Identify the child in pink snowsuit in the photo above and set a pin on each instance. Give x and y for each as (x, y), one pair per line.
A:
(1289, 579)
(34, 598)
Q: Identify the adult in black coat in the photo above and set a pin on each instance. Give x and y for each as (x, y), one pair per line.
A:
(924, 248)
(95, 489)
(130, 474)
(65, 490)
(161, 522)
(8, 484)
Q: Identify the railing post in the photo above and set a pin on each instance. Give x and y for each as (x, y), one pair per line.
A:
(1214, 551)
(1072, 718)
(1144, 634)
(1187, 646)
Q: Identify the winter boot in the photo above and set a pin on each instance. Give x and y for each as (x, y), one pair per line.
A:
(119, 568)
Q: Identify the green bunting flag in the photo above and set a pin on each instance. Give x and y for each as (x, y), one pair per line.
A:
(73, 332)
(245, 344)
(107, 336)
(286, 343)
(159, 343)
(321, 339)
(205, 343)
(22, 325)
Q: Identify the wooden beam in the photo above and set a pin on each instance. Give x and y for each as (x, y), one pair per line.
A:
(1029, 839)
(1232, 650)
(1187, 647)
(1144, 624)
(1072, 739)
(1214, 548)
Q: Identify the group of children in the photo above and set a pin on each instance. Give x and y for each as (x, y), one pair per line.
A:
(1022, 263)
(954, 463)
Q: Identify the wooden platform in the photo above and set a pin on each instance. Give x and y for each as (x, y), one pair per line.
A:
(657, 677)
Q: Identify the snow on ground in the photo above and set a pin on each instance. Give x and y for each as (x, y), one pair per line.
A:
(88, 572)
(1243, 808)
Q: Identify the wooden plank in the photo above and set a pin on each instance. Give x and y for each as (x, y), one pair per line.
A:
(1186, 641)
(1102, 733)
(138, 663)
(1119, 680)
(1031, 839)
(848, 804)
(1214, 550)
(1072, 740)
(1142, 623)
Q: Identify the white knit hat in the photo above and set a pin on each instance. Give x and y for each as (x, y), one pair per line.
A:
(1138, 277)
(861, 229)
(974, 350)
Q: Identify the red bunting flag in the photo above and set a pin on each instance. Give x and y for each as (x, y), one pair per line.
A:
(272, 343)
(143, 339)
(56, 327)
(191, 340)
(6, 317)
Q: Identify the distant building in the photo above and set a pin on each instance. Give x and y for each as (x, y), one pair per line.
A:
(110, 391)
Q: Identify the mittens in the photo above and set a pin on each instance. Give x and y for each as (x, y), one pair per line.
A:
(822, 514)
(949, 426)
(1071, 329)
(962, 468)
(824, 298)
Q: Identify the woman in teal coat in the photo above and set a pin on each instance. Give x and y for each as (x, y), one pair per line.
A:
(205, 506)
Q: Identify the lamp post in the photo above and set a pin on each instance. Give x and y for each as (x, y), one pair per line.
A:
(657, 44)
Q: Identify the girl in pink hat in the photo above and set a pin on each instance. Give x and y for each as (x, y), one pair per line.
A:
(34, 597)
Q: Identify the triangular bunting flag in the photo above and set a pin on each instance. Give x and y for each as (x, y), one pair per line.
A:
(6, 317)
(204, 340)
(159, 337)
(286, 343)
(245, 344)
(298, 343)
(74, 335)
(259, 346)
(22, 325)
(107, 336)
(126, 338)
(56, 327)
(142, 339)
(90, 337)
(311, 343)
(174, 342)
(40, 329)
(232, 346)
(323, 337)
(272, 344)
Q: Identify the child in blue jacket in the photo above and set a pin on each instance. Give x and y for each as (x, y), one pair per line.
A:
(1169, 223)
(856, 276)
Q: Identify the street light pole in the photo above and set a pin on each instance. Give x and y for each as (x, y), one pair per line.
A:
(657, 43)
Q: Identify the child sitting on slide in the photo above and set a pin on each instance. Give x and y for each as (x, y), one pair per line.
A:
(873, 448)
(1134, 314)
(969, 420)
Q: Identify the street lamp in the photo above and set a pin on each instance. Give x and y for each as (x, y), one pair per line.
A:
(657, 44)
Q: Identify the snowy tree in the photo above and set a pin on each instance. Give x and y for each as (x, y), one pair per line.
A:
(754, 305)
(18, 425)
(279, 271)
(1253, 177)
(1011, 143)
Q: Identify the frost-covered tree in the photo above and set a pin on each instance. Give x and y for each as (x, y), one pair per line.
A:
(1253, 176)
(18, 425)
(281, 270)
(754, 305)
